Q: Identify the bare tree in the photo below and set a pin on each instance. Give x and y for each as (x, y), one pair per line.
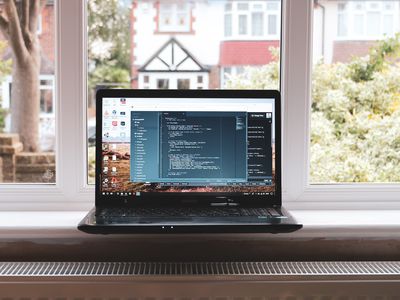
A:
(19, 26)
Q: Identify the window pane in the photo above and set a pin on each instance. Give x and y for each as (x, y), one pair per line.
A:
(27, 98)
(174, 17)
(162, 84)
(228, 25)
(257, 23)
(242, 24)
(183, 84)
(272, 6)
(388, 25)
(373, 23)
(358, 24)
(342, 25)
(272, 24)
(125, 49)
(355, 109)
(243, 6)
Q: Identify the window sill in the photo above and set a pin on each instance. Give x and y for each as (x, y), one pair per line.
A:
(316, 223)
(327, 235)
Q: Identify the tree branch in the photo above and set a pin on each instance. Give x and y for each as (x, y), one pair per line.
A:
(27, 35)
(25, 15)
(35, 7)
(15, 34)
(4, 26)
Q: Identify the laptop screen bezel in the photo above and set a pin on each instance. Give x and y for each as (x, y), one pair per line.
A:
(199, 198)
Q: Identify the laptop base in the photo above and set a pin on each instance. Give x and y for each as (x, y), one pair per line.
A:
(160, 225)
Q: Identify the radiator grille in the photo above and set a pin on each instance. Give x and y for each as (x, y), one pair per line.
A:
(196, 268)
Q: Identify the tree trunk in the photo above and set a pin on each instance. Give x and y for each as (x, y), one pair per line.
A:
(25, 100)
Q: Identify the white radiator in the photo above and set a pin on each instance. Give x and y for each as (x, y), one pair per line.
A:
(200, 281)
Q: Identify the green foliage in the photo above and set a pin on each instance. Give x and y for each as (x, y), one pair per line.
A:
(363, 68)
(3, 114)
(355, 115)
(109, 74)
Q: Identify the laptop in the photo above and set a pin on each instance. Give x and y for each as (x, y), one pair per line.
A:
(185, 161)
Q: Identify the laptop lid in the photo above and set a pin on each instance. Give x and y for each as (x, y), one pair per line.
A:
(192, 147)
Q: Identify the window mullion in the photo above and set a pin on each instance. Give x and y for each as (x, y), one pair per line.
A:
(71, 158)
(296, 74)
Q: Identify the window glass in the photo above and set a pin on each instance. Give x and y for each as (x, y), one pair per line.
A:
(355, 109)
(27, 93)
(373, 23)
(359, 24)
(272, 25)
(142, 44)
(388, 26)
(342, 25)
(228, 25)
(162, 84)
(243, 6)
(242, 24)
(174, 17)
(183, 84)
(272, 6)
(257, 26)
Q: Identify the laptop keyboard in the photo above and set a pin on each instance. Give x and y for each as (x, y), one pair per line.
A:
(186, 212)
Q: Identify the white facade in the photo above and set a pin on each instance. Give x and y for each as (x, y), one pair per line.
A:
(201, 27)
(341, 21)
(203, 43)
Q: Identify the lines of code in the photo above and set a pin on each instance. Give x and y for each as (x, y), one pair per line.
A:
(203, 145)
(259, 148)
(201, 148)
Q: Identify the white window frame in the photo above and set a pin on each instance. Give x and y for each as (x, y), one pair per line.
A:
(71, 191)
(350, 14)
(235, 13)
(174, 17)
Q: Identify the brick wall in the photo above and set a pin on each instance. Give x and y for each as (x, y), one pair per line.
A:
(343, 51)
(47, 37)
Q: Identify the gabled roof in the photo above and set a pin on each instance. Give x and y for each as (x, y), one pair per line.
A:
(173, 57)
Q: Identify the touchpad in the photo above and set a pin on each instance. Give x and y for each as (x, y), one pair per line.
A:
(159, 220)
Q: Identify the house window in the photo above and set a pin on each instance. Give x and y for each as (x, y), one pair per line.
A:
(47, 95)
(367, 20)
(162, 84)
(183, 84)
(257, 19)
(228, 25)
(46, 89)
(252, 20)
(174, 17)
(242, 24)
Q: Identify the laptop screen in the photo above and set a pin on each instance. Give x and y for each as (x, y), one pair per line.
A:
(193, 145)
